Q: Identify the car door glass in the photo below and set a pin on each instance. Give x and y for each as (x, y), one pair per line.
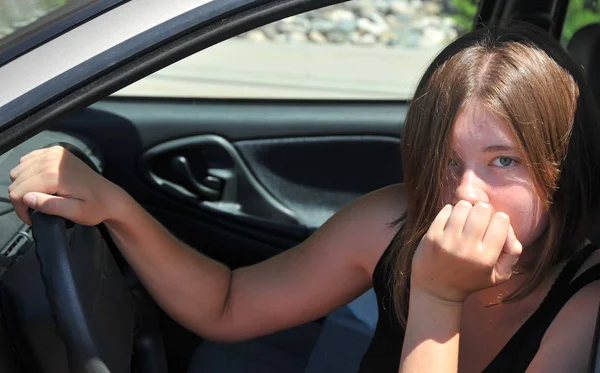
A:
(361, 49)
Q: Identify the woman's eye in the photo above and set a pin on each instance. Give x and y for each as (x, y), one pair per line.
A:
(504, 162)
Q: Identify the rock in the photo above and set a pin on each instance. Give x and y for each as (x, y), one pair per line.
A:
(281, 38)
(256, 35)
(294, 24)
(410, 38)
(344, 20)
(347, 25)
(388, 38)
(337, 37)
(270, 31)
(432, 37)
(402, 7)
(394, 22)
(448, 22)
(374, 24)
(382, 6)
(317, 37)
(367, 39)
(322, 25)
(297, 37)
(365, 11)
(339, 15)
(451, 34)
(408, 23)
(429, 21)
(416, 5)
(432, 8)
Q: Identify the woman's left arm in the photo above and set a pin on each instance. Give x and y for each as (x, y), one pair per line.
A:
(432, 335)
(467, 248)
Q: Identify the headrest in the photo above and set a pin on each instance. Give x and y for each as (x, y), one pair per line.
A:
(584, 48)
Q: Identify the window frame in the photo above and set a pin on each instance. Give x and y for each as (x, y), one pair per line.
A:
(51, 26)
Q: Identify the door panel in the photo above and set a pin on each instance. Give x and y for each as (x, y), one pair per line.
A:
(243, 181)
(316, 176)
(288, 166)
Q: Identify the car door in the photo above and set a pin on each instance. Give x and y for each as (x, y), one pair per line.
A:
(244, 149)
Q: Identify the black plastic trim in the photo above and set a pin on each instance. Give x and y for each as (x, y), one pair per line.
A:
(266, 208)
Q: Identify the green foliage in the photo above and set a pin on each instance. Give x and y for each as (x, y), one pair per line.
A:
(579, 15)
(463, 13)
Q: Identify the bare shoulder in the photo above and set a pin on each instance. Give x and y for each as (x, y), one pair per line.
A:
(567, 343)
(368, 224)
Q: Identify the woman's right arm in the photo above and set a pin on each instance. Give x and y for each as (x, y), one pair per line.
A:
(306, 282)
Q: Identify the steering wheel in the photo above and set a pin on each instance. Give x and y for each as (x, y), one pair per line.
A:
(88, 307)
(89, 299)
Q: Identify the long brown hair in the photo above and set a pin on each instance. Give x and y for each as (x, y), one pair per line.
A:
(524, 77)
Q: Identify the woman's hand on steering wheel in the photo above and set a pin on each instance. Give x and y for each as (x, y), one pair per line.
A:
(55, 182)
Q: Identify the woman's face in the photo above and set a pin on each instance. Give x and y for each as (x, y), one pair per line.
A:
(486, 166)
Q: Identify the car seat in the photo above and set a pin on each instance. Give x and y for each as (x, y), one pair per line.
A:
(584, 48)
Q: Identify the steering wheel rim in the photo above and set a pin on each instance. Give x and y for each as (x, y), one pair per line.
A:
(90, 302)
(56, 271)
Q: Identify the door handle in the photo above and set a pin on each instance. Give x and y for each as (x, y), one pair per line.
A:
(208, 189)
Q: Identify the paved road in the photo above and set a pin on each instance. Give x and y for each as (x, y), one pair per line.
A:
(247, 69)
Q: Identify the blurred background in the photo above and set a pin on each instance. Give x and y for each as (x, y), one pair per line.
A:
(360, 49)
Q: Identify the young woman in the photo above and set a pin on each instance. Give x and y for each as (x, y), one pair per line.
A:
(487, 236)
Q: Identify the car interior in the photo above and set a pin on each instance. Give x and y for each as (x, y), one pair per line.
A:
(238, 180)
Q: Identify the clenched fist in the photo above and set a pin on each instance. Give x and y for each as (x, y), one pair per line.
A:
(467, 248)
(55, 182)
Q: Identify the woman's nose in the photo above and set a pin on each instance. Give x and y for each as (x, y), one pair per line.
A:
(471, 188)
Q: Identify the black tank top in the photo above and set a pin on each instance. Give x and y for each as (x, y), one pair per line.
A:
(383, 354)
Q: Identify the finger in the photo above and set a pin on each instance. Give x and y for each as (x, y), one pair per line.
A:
(33, 154)
(509, 256)
(456, 222)
(439, 223)
(44, 182)
(477, 222)
(22, 167)
(53, 205)
(22, 212)
(28, 173)
(495, 236)
(42, 152)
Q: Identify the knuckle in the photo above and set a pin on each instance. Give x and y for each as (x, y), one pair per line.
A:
(50, 159)
(464, 206)
(50, 177)
(482, 206)
(429, 238)
(444, 243)
(502, 217)
(47, 205)
(13, 196)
